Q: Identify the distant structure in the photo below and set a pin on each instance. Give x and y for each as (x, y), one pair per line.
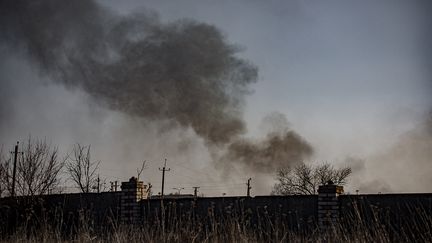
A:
(133, 191)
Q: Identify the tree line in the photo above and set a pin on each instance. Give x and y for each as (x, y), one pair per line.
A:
(39, 168)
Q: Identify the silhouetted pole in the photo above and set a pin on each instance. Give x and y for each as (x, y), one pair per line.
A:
(149, 191)
(248, 187)
(163, 177)
(113, 186)
(14, 169)
(196, 191)
(98, 184)
(178, 189)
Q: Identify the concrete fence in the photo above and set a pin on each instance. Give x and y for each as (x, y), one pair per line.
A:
(132, 192)
(297, 212)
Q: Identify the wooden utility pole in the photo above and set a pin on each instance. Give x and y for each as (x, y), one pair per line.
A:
(248, 187)
(98, 184)
(163, 177)
(195, 191)
(178, 189)
(113, 186)
(14, 169)
(149, 191)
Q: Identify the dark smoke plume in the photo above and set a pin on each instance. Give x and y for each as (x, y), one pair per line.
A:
(182, 71)
(275, 151)
(282, 147)
(185, 71)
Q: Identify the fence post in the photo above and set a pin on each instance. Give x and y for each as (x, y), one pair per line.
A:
(328, 205)
(133, 191)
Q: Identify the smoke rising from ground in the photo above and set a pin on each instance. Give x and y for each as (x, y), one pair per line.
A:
(183, 71)
(407, 165)
(403, 167)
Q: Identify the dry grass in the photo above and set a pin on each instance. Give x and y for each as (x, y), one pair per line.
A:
(358, 226)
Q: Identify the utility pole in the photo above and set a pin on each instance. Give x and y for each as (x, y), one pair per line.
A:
(178, 189)
(14, 169)
(195, 191)
(163, 177)
(113, 186)
(98, 184)
(248, 187)
(149, 191)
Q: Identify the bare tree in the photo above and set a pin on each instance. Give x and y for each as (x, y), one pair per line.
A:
(140, 170)
(326, 172)
(3, 174)
(81, 170)
(304, 179)
(38, 169)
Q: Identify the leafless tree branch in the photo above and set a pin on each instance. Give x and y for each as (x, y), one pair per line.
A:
(81, 170)
(140, 170)
(38, 169)
(304, 179)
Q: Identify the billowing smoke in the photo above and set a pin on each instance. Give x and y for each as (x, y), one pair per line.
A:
(280, 148)
(182, 71)
(185, 71)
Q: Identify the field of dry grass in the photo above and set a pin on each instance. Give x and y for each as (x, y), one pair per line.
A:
(354, 227)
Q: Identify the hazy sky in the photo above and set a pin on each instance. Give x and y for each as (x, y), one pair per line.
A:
(342, 71)
(350, 76)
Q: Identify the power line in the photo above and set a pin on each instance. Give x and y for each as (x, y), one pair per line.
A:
(191, 169)
(223, 185)
(115, 177)
(178, 189)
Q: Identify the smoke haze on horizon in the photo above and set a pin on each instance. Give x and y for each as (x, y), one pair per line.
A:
(80, 79)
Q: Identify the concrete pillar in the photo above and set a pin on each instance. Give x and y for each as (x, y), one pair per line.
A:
(133, 191)
(328, 205)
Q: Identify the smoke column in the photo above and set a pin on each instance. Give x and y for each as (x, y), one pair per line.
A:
(184, 71)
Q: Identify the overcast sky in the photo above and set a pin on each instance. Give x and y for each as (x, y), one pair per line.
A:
(350, 76)
(340, 70)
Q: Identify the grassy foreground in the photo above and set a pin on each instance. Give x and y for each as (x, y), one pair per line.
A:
(355, 227)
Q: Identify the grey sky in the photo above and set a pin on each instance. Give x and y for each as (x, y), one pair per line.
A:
(350, 76)
(344, 72)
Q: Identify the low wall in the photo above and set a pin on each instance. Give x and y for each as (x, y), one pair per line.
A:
(294, 212)
(69, 211)
(396, 211)
(299, 213)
